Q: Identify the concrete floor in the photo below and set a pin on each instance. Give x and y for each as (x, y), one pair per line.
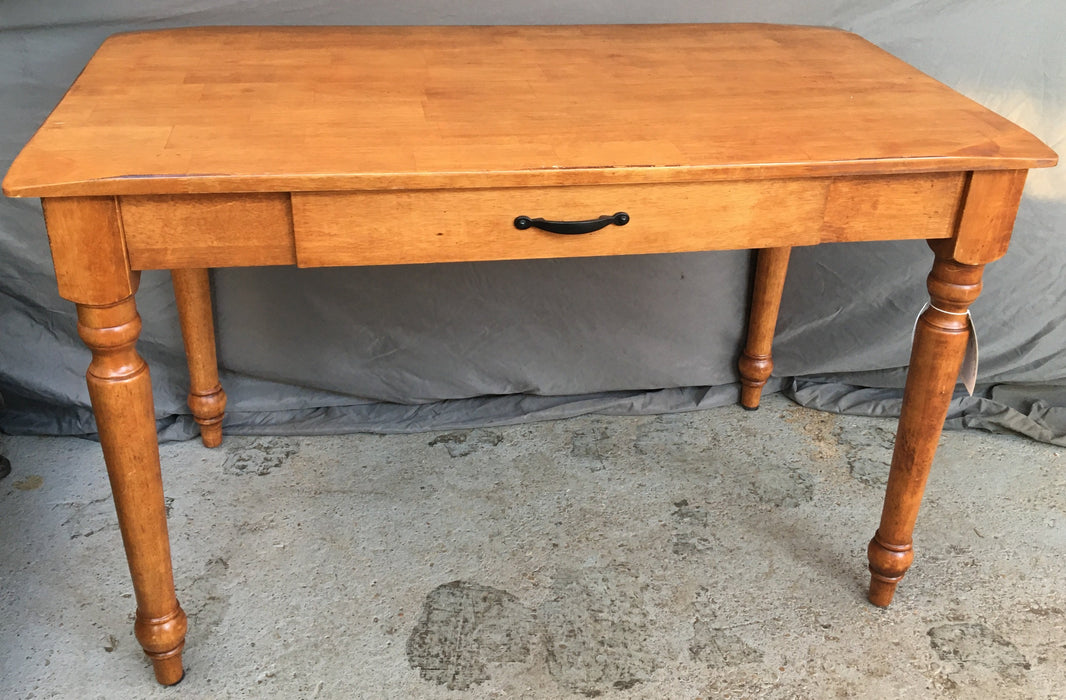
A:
(703, 555)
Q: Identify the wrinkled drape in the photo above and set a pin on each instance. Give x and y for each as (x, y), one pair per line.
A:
(443, 346)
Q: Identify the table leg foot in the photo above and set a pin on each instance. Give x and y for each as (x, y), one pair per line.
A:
(888, 563)
(940, 339)
(209, 409)
(207, 400)
(754, 371)
(120, 389)
(756, 362)
(157, 637)
(169, 671)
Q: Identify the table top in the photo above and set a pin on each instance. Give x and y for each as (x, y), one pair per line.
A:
(272, 109)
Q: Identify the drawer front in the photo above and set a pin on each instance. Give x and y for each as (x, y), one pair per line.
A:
(379, 228)
(415, 226)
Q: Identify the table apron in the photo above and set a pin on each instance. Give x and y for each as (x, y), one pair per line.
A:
(316, 229)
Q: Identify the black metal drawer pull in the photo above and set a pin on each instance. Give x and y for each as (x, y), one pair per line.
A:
(572, 227)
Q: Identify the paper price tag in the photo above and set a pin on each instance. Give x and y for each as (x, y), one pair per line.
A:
(968, 372)
(969, 360)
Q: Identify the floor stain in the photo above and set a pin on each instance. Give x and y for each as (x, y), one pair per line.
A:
(689, 514)
(465, 442)
(687, 543)
(595, 629)
(590, 631)
(97, 515)
(29, 483)
(868, 452)
(89, 517)
(659, 438)
(464, 627)
(207, 597)
(782, 487)
(719, 648)
(259, 457)
(820, 427)
(970, 648)
(594, 447)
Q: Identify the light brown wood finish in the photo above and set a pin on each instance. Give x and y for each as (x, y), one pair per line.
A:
(121, 394)
(210, 230)
(941, 333)
(192, 290)
(987, 219)
(936, 355)
(88, 251)
(282, 109)
(756, 361)
(385, 228)
(190, 149)
(416, 226)
(92, 270)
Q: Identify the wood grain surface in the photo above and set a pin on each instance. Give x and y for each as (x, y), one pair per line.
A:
(259, 109)
(387, 228)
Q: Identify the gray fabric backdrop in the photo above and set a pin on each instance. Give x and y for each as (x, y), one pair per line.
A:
(438, 346)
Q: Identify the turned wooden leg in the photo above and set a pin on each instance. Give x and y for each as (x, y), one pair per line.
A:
(756, 362)
(121, 394)
(939, 346)
(206, 398)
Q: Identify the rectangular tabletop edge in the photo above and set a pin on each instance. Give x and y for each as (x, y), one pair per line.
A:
(14, 186)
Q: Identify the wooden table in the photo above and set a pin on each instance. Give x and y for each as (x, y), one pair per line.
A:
(218, 147)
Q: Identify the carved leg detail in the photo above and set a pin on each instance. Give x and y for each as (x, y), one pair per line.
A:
(206, 398)
(756, 362)
(939, 346)
(121, 392)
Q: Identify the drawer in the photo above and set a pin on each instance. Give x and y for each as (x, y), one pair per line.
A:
(378, 228)
(416, 226)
